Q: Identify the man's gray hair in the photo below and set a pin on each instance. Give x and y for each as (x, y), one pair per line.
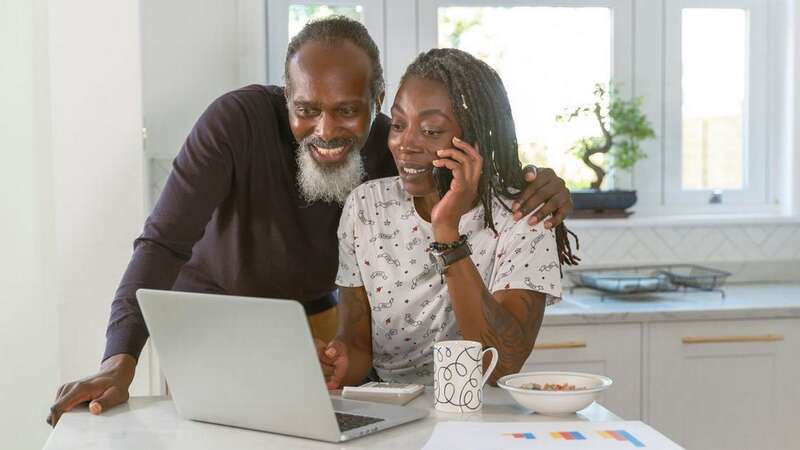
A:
(334, 29)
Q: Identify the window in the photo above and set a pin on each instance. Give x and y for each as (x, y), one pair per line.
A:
(711, 73)
(299, 15)
(540, 74)
(286, 17)
(715, 120)
(552, 66)
(713, 84)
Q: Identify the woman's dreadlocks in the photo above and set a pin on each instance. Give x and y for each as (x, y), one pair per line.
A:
(481, 106)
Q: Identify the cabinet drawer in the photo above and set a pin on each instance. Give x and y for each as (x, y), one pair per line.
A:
(724, 384)
(612, 350)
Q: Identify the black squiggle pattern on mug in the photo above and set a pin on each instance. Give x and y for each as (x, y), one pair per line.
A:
(468, 396)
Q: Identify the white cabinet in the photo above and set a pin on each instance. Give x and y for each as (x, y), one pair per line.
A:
(724, 384)
(613, 350)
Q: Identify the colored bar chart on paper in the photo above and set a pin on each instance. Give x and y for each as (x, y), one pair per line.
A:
(520, 435)
(568, 435)
(555, 435)
(620, 435)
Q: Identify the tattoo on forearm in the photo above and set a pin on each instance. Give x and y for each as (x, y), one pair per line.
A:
(512, 339)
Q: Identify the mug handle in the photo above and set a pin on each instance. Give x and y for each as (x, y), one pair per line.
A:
(495, 357)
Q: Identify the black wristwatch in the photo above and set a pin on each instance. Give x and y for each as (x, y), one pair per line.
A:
(444, 255)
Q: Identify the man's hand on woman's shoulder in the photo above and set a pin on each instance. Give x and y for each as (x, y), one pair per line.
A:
(103, 390)
(544, 186)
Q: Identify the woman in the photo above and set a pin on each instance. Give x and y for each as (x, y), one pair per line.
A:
(451, 113)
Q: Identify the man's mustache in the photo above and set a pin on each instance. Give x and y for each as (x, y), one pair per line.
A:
(316, 141)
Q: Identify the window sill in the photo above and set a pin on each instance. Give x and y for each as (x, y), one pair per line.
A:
(702, 220)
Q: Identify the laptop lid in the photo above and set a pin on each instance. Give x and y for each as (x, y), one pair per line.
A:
(240, 361)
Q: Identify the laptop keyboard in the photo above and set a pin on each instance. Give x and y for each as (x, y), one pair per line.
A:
(351, 421)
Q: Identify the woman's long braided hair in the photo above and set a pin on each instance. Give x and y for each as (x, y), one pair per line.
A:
(481, 106)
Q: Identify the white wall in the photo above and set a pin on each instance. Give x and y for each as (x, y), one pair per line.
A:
(96, 116)
(188, 60)
(71, 191)
(28, 328)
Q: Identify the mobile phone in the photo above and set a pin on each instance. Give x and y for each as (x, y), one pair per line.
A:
(442, 177)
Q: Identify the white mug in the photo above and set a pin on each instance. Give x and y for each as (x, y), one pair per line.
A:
(458, 376)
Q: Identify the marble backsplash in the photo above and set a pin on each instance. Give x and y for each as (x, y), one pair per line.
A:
(752, 252)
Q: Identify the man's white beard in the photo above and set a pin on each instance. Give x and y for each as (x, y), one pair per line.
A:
(320, 183)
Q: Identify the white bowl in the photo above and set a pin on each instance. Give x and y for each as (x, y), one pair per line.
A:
(555, 403)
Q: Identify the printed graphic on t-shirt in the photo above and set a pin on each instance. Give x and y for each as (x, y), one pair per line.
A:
(383, 246)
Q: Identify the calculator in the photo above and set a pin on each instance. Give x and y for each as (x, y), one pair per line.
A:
(382, 392)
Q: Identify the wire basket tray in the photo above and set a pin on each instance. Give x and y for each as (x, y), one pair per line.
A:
(631, 280)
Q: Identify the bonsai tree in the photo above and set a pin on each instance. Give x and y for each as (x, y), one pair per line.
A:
(622, 128)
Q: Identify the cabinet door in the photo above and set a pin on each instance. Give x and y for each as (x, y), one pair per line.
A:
(612, 350)
(724, 384)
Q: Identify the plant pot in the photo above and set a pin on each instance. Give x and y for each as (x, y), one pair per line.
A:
(594, 203)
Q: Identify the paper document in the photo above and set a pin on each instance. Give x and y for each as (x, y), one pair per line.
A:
(627, 435)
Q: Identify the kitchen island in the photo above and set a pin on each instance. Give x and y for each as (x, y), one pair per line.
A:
(707, 372)
(152, 423)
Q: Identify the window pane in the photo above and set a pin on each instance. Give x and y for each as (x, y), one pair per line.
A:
(299, 15)
(713, 85)
(549, 59)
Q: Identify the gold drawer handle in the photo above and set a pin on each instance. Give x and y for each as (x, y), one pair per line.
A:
(729, 339)
(559, 345)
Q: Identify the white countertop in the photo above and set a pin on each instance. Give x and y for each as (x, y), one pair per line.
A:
(742, 301)
(152, 423)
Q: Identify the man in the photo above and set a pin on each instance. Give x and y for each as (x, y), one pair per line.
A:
(254, 198)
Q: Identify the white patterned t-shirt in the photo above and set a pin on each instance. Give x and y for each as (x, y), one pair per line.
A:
(383, 246)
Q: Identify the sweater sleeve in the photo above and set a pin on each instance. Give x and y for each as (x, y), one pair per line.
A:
(200, 180)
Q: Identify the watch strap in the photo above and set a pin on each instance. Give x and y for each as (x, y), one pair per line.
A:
(451, 256)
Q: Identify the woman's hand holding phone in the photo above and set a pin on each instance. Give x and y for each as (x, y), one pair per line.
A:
(466, 164)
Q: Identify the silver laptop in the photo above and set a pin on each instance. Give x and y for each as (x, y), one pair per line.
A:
(251, 363)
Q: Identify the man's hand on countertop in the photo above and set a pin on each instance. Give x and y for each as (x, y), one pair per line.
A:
(103, 390)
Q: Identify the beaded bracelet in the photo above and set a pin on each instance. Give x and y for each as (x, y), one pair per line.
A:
(439, 247)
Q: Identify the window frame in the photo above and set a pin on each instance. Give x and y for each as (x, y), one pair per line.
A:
(278, 29)
(756, 117)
